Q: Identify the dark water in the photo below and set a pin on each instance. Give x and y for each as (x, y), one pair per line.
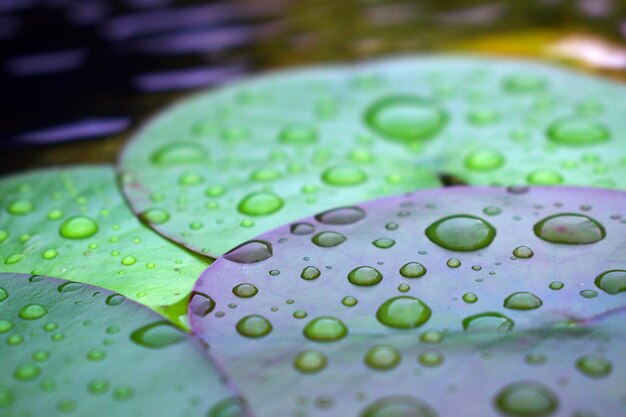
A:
(79, 75)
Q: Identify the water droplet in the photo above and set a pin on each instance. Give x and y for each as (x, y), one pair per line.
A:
(382, 357)
(470, 297)
(3, 294)
(27, 372)
(384, 243)
(365, 276)
(594, 366)
(261, 203)
(413, 270)
(298, 134)
(403, 312)
(522, 301)
(190, 178)
(589, 293)
(461, 233)
(300, 314)
(155, 216)
(544, 177)
(157, 335)
(245, 290)
(78, 227)
(343, 176)
(302, 229)
(49, 254)
(20, 207)
(398, 406)
(310, 273)
(325, 329)
(570, 228)
(115, 299)
(489, 321)
(526, 399)
(129, 260)
(406, 118)
(98, 386)
(430, 358)
(556, 285)
(179, 153)
(250, 252)
(492, 211)
(123, 392)
(612, 282)
(484, 160)
(201, 304)
(96, 355)
(33, 312)
(453, 263)
(6, 397)
(341, 216)
(310, 361)
(431, 337)
(482, 116)
(349, 301)
(577, 131)
(41, 355)
(254, 326)
(328, 239)
(535, 359)
(13, 259)
(523, 252)
(5, 325)
(524, 83)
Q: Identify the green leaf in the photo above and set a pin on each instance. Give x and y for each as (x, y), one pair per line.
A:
(73, 223)
(457, 301)
(232, 163)
(74, 349)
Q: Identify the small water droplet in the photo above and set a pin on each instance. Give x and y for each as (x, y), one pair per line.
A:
(244, 290)
(382, 357)
(179, 153)
(470, 297)
(365, 276)
(310, 361)
(27, 372)
(526, 399)
(594, 366)
(310, 273)
(577, 131)
(413, 270)
(522, 301)
(343, 176)
(302, 229)
(523, 252)
(349, 301)
(489, 321)
(260, 203)
(155, 216)
(33, 312)
(254, 326)
(430, 358)
(484, 160)
(328, 239)
(250, 252)
(341, 216)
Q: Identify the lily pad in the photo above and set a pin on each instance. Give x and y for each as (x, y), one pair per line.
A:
(226, 165)
(456, 301)
(73, 349)
(74, 224)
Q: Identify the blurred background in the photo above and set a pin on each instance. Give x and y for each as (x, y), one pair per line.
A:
(78, 76)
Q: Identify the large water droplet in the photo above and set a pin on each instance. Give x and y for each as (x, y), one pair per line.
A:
(310, 273)
(201, 304)
(526, 399)
(612, 282)
(254, 326)
(78, 227)
(488, 322)
(245, 290)
(403, 312)
(20, 207)
(382, 358)
(406, 118)
(310, 361)
(157, 335)
(179, 153)
(325, 329)
(27, 372)
(570, 228)
(260, 203)
(522, 301)
(365, 276)
(461, 232)
(341, 216)
(577, 131)
(398, 406)
(250, 252)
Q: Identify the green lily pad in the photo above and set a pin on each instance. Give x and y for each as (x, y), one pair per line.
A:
(74, 223)
(458, 301)
(73, 349)
(229, 164)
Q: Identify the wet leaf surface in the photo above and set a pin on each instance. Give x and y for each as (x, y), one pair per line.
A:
(503, 302)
